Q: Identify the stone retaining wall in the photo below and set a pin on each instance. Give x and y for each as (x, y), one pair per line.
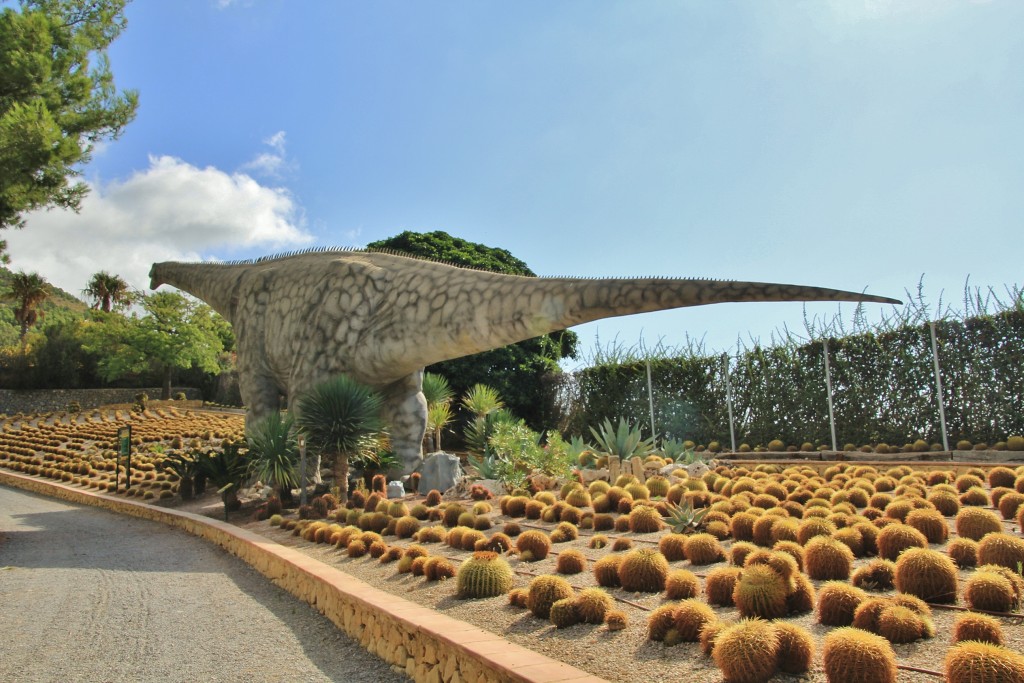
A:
(49, 400)
(428, 646)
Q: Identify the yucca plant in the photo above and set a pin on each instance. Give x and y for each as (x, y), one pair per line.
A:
(482, 400)
(186, 466)
(438, 417)
(436, 389)
(336, 415)
(625, 441)
(684, 519)
(274, 454)
(478, 432)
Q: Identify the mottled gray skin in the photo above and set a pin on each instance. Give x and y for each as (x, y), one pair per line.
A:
(381, 318)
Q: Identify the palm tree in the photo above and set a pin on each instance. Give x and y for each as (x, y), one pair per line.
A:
(28, 291)
(336, 416)
(110, 292)
(274, 454)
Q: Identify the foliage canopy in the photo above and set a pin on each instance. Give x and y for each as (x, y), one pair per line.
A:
(57, 100)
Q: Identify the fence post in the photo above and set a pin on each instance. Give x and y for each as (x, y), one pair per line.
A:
(650, 397)
(728, 400)
(938, 387)
(828, 387)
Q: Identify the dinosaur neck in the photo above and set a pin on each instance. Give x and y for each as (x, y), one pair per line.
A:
(518, 308)
(214, 283)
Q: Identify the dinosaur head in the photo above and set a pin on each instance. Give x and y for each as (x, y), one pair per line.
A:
(155, 279)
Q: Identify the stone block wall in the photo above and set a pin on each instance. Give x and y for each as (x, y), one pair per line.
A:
(49, 400)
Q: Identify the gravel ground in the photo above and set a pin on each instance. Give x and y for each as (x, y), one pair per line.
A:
(90, 596)
(627, 655)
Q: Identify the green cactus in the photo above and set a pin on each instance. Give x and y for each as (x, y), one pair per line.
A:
(484, 575)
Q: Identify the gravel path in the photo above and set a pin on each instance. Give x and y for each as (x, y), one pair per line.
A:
(89, 596)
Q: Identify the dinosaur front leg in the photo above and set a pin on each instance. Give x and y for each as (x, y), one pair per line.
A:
(405, 413)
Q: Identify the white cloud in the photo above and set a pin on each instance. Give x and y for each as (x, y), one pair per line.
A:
(271, 164)
(172, 211)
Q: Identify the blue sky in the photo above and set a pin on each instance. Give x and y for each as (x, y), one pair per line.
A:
(857, 144)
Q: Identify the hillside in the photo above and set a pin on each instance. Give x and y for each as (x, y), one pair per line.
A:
(59, 306)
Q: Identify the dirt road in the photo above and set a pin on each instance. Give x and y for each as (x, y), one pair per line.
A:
(88, 596)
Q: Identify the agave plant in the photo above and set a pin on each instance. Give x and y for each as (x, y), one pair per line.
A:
(274, 454)
(478, 432)
(625, 441)
(683, 518)
(673, 449)
(581, 452)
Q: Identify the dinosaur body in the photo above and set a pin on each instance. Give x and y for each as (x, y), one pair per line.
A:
(381, 318)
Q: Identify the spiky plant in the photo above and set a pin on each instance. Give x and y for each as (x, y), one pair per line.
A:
(747, 652)
(625, 441)
(484, 575)
(545, 591)
(535, 542)
(760, 592)
(606, 571)
(990, 591)
(681, 584)
(719, 585)
(683, 518)
(837, 602)
(1002, 549)
(850, 655)
(974, 523)
(927, 574)
(979, 627)
(570, 562)
(337, 415)
(970, 662)
(796, 648)
(876, 575)
(827, 559)
(643, 570)
(703, 549)
(592, 604)
(690, 617)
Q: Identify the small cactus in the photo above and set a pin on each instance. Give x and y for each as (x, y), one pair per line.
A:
(545, 591)
(837, 602)
(851, 655)
(796, 648)
(484, 575)
(970, 662)
(747, 652)
(643, 570)
(979, 627)
(592, 605)
(760, 592)
(536, 542)
(927, 574)
(563, 613)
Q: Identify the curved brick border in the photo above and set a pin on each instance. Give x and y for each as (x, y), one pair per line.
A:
(430, 646)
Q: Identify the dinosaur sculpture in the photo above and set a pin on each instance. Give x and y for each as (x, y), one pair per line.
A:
(382, 317)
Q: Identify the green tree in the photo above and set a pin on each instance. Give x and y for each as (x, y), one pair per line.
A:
(108, 292)
(28, 291)
(336, 416)
(175, 333)
(517, 371)
(57, 100)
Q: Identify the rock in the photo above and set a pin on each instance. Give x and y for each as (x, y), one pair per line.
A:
(440, 471)
(395, 489)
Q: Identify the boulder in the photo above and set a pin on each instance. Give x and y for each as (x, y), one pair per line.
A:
(440, 471)
(395, 489)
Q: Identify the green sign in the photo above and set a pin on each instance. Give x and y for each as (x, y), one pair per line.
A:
(124, 441)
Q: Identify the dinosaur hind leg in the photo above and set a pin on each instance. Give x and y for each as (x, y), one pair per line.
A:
(405, 413)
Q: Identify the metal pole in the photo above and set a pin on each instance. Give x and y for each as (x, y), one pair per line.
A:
(650, 396)
(938, 388)
(828, 387)
(728, 399)
(302, 469)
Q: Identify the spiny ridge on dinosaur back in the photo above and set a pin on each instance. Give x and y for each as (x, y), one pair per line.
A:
(403, 254)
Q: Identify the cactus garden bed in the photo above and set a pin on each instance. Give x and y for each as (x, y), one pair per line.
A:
(812, 548)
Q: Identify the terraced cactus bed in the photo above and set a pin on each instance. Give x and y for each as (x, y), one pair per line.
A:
(929, 522)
